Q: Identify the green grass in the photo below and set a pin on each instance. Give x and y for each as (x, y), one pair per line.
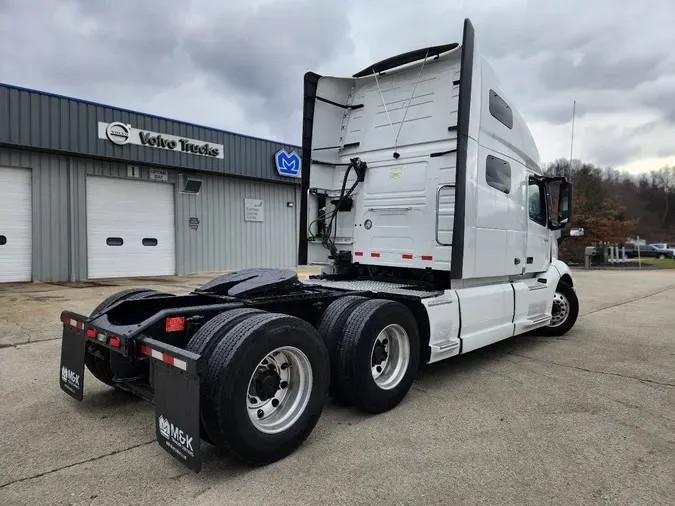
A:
(667, 263)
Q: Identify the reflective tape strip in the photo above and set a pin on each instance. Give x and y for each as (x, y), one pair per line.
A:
(407, 256)
(427, 258)
(75, 323)
(181, 364)
(164, 357)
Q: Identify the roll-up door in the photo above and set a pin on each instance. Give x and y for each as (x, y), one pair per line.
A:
(16, 239)
(130, 228)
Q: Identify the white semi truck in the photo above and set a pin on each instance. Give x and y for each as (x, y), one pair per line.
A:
(425, 203)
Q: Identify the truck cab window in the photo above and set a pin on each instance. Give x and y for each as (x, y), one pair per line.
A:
(498, 174)
(536, 203)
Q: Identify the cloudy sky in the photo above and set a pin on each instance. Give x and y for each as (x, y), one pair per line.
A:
(238, 64)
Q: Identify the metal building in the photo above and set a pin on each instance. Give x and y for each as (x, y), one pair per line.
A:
(90, 191)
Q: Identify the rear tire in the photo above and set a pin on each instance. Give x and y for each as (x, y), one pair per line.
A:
(288, 409)
(99, 363)
(203, 342)
(330, 327)
(378, 355)
(565, 311)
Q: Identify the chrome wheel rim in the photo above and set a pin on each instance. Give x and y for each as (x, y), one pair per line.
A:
(279, 390)
(390, 356)
(560, 310)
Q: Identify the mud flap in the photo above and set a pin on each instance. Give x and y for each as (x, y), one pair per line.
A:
(176, 399)
(73, 348)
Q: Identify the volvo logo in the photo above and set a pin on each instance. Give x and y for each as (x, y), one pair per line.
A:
(118, 132)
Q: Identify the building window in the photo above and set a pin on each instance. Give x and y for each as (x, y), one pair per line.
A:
(500, 110)
(536, 202)
(498, 174)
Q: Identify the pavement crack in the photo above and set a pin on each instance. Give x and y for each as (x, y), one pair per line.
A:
(642, 380)
(658, 292)
(23, 343)
(93, 459)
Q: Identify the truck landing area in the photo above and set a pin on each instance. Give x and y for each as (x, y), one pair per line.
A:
(583, 419)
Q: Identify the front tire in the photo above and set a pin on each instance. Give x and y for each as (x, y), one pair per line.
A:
(564, 312)
(378, 355)
(268, 379)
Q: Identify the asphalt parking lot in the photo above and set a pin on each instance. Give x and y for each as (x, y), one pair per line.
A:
(588, 418)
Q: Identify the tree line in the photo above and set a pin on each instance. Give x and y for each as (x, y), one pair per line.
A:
(612, 205)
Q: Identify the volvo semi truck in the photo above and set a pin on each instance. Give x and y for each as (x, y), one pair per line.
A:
(424, 202)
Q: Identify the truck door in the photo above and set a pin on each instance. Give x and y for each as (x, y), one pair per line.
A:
(538, 254)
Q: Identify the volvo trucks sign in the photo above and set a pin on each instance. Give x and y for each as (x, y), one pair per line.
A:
(121, 133)
(288, 164)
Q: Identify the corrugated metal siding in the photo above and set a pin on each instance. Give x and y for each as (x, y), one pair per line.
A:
(50, 211)
(81, 168)
(39, 120)
(224, 240)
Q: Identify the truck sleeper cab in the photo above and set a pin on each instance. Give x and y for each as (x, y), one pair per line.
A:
(423, 201)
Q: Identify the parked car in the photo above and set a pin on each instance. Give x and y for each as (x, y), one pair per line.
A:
(664, 246)
(648, 251)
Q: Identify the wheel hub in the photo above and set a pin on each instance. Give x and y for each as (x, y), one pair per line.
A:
(560, 310)
(390, 356)
(267, 384)
(279, 390)
(380, 352)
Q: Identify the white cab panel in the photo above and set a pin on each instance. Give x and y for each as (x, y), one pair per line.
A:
(487, 315)
(443, 313)
(130, 228)
(16, 230)
(411, 111)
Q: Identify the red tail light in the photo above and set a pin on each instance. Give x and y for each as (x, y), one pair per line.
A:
(91, 333)
(175, 324)
(114, 342)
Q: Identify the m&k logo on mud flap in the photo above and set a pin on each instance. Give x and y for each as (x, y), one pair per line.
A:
(175, 437)
(69, 377)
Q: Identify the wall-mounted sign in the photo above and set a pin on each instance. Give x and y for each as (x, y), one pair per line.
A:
(194, 223)
(122, 133)
(159, 175)
(288, 164)
(253, 210)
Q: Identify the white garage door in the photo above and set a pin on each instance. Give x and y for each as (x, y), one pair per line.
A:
(130, 228)
(15, 225)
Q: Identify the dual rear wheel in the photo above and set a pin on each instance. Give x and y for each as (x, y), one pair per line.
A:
(374, 348)
(266, 379)
(268, 374)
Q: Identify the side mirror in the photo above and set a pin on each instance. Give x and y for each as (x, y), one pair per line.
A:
(561, 207)
(574, 232)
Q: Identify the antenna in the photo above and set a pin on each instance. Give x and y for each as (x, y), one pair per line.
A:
(574, 111)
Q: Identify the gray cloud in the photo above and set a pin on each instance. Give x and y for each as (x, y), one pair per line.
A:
(265, 53)
(239, 64)
(611, 145)
(597, 71)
